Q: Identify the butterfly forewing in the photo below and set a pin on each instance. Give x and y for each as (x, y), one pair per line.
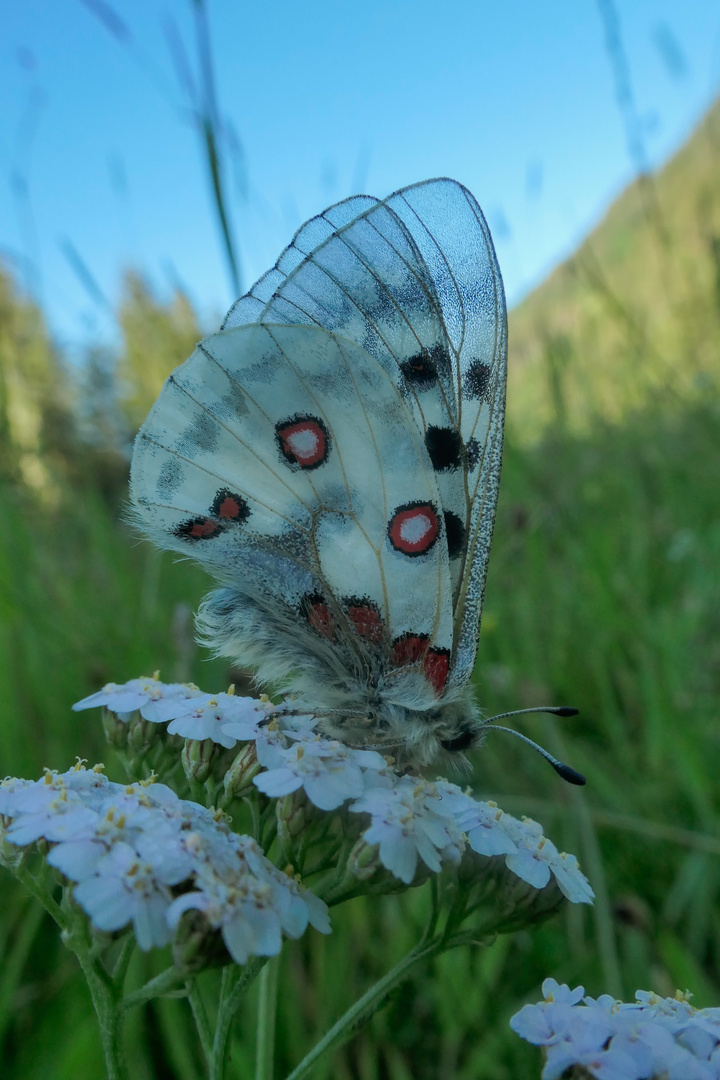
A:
(249, 308)
(455, 244)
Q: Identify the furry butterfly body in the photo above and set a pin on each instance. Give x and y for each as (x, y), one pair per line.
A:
(332, 456)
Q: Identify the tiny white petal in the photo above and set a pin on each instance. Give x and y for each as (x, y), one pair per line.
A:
(77, 859)
(239, 938)
(530, 869)
(278, 782)
(318, 915)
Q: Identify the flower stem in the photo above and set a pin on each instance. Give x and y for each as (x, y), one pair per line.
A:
(200, 1017)
(122, 963)
(110, 1016)
(267, 1009)
(366, 1006)
(227, 1007)
(162, 984)
(41, 893)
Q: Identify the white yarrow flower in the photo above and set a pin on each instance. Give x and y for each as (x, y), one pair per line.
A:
(251, 902)
(148, 695)
(615, 1040)
(329, 771)
(482, 821)
(536, 858)
(126, 889)
(126, 847)
(223, 718)
(409, 820)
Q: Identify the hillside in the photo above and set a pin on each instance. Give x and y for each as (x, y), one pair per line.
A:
(634, 314)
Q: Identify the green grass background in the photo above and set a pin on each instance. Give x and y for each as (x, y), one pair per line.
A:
(603, 592)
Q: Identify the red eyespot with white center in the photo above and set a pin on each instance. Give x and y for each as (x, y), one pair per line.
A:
(414, 528)
(304, 441)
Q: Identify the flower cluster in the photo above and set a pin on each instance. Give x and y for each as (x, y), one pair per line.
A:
(223, 718)
(140, 854)
(413, 821)
(613, 1040)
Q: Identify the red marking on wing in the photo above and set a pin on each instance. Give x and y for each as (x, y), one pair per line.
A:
(366, 620)
(412, 648)
(413, 529)
(409, 649)
(304, 443)
(320, 618)
(199, 529)
(437, 665)
(229, 508)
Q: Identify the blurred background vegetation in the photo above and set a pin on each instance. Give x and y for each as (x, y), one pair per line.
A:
(604, 593)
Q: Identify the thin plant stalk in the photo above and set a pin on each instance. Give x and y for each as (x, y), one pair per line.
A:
(267, 1013)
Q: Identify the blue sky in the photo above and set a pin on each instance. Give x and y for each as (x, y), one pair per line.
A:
(100, 162)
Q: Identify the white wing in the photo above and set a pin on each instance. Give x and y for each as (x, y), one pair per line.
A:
(414, 281)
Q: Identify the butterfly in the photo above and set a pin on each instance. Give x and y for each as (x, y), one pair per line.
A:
(332, 457)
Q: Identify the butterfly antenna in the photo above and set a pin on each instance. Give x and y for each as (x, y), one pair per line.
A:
(556, 710)
(565, 771)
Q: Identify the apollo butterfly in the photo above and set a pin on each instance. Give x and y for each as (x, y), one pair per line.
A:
(332, 457)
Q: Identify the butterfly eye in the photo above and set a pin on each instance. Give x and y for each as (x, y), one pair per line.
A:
(463, 741)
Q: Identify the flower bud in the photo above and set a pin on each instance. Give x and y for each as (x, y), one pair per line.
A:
(294, 816)
(197, 944)
(142, 736)
(239, 777)
(363, 860)
(11, 856)
(504, 901)
(116, 728)
(197, 759)
(364, 865)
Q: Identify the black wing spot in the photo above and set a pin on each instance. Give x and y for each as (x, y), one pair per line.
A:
(454, 534)
(201, 436)
(421, 371)
(170, 478)
(476, 379)
(445, 448)
(472, 454)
